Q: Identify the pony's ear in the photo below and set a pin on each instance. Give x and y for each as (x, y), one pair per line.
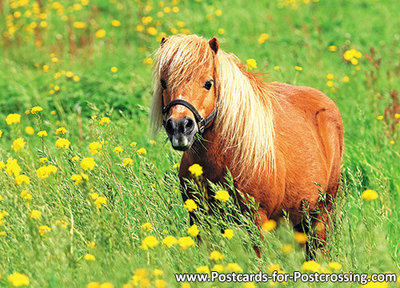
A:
(163, 40)
(214, 44)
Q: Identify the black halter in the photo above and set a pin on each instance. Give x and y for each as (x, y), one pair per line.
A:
(200, 121)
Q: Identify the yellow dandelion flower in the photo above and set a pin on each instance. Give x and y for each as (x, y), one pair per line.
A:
(269, 225)
(75, 158)
(234, 267)
(118, 149)
(332, 48)
(186, 242)
(346, 79)
(196, 170)
(148, 61)
(22, 179)
(203, 269)
(76, 78)
(115, 23)
(380, 117)
(222, 195)
(91, 245)
(329, 83)
(330, 76)
(89, 257)
(133, 144)
(190, 205)
(100, 201)
(217, 268)
(93, 285)
(287, 248)
(42, 133)
(149, 242)
(335, 266)
(106, 285)
(95, 147)
(157, 272)
(88, 163)
(114, 69)
(18, 144)
(127, 161)
(29, 130)
(36, 109)
(63, 143)
(77, 179)
(12, 167)
(145, 282)
(221, 31)
(43, 160)
(26, 195)
(61, 130)
(169, 241)
(18, 279)
(369, 195)
(249, 285)
(310, 266)
(43, 229)
(79, 25)
(139, 28)
(298, 68)
(35, 214)
(193, 230)
(101, 33)
(152, 31)
(216, 256)
(228, 234)
(45, 171)
(397, 116)
(251, 64)
(104, 120)
(141, 151)
(274, 267)
(147, 227)
(159, 283)
(263, 37)
(300, 237)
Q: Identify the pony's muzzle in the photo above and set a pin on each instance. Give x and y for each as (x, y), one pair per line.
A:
(181, 132)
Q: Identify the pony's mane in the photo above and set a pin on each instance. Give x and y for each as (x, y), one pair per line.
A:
(244, 116)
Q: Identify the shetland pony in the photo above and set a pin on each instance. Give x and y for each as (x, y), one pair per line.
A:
(282, 143)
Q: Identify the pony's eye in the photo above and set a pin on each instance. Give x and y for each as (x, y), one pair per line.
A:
(208, 85)
(163, 84)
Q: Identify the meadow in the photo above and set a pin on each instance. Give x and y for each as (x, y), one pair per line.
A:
(90, 198)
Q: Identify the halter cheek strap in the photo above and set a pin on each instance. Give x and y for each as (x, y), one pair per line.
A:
(200, 121)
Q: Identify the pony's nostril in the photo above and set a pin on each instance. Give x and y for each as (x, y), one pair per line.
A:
(188, 125)
(169, 126)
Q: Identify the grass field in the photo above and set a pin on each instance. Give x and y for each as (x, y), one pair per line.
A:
(78, 205)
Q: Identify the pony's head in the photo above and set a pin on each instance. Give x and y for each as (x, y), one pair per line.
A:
(197, 85)
(184, 79)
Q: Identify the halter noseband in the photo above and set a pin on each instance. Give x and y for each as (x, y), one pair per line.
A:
(200, 121)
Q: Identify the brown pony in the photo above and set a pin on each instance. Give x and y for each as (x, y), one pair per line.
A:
(277, 140)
